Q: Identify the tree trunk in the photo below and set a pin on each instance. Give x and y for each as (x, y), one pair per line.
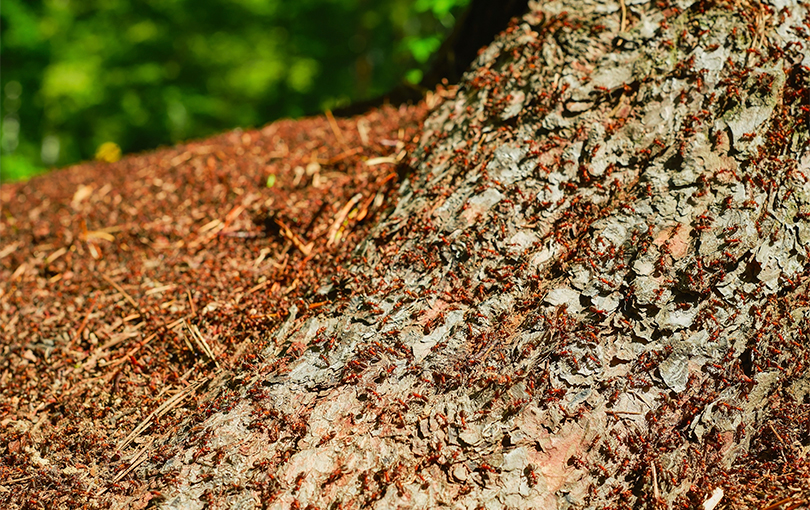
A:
(591, 292)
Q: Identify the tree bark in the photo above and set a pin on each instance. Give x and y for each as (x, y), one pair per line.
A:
(591, 292)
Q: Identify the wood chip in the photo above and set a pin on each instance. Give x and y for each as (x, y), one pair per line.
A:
(380, 161)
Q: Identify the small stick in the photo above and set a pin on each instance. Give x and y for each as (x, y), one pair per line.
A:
(778, 504)
(340, 216)
(121, 290)
(19, 480)
(362, 130)
(188, 344)
(86, 318)
(364, 208)
(780, 440)
(334, 126)
(380, 160)
(191, 302)
(291, 236)
(139, 459)
(624, 16)
(195, 332)
(125, 357)
(258, 286)
(157, 413)
(317, 305)
(343, 155)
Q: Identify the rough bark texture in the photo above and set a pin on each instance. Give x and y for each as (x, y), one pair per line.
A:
(592, 291)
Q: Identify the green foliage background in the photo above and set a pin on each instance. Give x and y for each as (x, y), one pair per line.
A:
(145, 73)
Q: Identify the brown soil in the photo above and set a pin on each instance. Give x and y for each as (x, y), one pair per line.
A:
(110, 271)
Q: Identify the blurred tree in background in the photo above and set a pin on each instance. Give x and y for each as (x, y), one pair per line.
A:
(140, 74)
